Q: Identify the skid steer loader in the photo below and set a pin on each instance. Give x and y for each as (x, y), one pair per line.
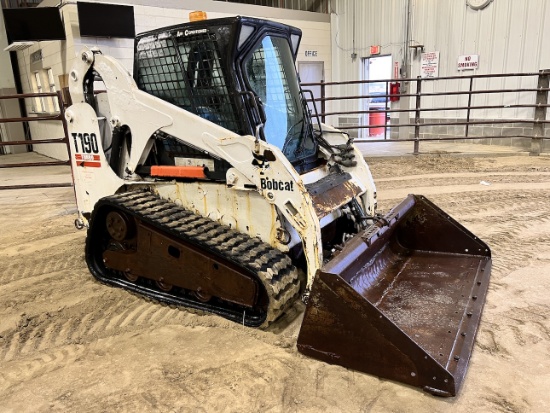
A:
(204, 181)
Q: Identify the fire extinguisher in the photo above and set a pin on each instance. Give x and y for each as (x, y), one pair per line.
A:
(395, 91)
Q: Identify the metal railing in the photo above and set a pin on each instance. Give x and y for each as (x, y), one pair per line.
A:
(525, 97)
(60, 116)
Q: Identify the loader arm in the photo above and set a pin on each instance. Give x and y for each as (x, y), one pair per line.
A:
(275, 179)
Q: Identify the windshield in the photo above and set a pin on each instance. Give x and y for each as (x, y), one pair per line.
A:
(270, 71)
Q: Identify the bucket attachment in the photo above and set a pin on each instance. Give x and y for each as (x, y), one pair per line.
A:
(402, 300)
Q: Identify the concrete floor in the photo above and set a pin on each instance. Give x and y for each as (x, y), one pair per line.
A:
(61, 174)
(68, 343)
(58, 174)
(395, 148)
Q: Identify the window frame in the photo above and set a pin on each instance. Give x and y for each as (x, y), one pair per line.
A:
(44, 104)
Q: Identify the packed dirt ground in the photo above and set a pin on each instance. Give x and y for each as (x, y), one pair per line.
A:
(68, 343)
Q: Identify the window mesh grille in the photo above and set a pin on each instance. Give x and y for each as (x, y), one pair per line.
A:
(160, 73)
(186, 72)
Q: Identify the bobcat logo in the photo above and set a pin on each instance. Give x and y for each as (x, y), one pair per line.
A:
(273, 184)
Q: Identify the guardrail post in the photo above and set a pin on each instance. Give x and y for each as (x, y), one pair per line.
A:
(540, 112)
(417, 116)
(469, 106)
(387, 102)
(323, 105)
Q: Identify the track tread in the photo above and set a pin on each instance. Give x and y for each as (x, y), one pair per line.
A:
(273, 268)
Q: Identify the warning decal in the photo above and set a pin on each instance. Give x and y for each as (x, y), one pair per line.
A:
(87, 159)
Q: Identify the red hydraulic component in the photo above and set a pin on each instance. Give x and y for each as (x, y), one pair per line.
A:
(178, 171)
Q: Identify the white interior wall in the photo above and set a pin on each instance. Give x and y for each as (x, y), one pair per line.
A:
(149, 15)
(6, 78)
(9, 108)
(57, 56)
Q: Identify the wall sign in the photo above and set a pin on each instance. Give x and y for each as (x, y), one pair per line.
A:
(429, 64)
(36, 61)
(311, 53)
(36, 56)
(468, 62)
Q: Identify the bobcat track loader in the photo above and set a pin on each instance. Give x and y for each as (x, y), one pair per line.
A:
(205, 182)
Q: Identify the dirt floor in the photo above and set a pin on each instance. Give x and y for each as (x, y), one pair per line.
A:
(68, 343)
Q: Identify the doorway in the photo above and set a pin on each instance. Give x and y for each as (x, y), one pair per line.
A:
(376, 68)
(312, 72)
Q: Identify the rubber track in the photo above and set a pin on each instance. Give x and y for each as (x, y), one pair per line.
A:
(272, 268)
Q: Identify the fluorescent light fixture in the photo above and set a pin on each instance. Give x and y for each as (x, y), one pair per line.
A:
(16, 46)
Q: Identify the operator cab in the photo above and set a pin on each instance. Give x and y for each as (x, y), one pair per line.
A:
(236, 72)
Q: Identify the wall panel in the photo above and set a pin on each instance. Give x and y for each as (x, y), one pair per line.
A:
(508, 36)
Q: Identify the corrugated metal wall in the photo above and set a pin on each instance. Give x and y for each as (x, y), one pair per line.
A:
(508, 35)
(356, 25)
